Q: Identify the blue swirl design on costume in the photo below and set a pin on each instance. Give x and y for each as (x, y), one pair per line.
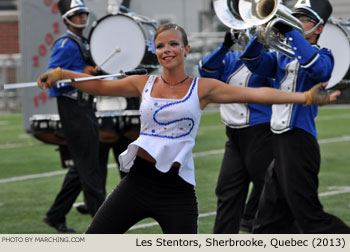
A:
(174, 121)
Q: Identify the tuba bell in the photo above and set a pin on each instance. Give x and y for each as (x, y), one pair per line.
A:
(265, 15)
(228, 13)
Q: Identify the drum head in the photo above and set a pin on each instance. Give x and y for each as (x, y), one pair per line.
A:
(334, 38)
(113, 32)
(111, 103)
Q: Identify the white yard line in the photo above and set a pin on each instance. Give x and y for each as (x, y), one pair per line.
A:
(33, 176)
(195, 155)
(334, 190)
(337, 190)
(204, 129)
(207, 153)
(55, 173)
(334, 140)
(4, 123)
(19, 145)
(6, 127)
(332, 117)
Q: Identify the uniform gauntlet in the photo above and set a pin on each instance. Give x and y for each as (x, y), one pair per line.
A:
(316, 96)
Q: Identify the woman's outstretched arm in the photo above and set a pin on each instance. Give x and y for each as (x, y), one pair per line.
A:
(128, 87)
(214, 91)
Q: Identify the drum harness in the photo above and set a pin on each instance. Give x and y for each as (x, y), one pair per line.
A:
(83, 98)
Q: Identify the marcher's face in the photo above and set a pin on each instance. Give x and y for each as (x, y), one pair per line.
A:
(80, 18)
(308, 24)
(170, 48)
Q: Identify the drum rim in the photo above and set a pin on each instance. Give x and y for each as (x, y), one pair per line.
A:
(340, 24)
(107, 16)
(44, 116)
(114, 113)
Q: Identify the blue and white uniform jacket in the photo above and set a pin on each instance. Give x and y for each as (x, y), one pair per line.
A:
(312, 65)
(66, 54)
(225, 65)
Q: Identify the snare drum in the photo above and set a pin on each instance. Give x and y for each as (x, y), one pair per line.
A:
(131, 124)
(113, 125)
(107, 123)
(47, 128)
(117, 116)
(132, 34)
(335, 36)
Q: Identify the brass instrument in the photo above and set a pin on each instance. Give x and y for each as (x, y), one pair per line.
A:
(265, 15)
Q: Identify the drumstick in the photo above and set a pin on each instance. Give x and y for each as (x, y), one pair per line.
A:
(34, 84)
(116, 50)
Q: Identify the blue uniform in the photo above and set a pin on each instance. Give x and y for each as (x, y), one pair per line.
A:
(67, 55)
(311, 66)
(289, 202)
(248, 150)
(223, 64)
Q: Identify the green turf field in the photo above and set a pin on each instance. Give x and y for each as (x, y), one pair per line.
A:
(31, 174)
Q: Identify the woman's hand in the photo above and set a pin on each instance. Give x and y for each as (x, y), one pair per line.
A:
(317, 96)
(49, 79)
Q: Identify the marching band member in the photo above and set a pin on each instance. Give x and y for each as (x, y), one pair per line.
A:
(248, 150)
(289, 202)
(79, 123)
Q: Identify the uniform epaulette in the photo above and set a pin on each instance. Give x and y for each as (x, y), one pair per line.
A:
(64, 42)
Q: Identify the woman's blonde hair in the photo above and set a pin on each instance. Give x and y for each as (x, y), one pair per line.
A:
(175, 27)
